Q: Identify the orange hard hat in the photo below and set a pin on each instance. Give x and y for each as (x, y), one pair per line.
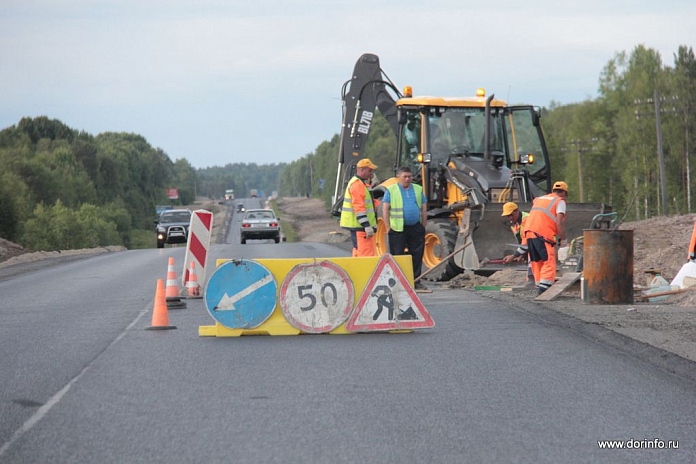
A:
(366, 163)
(560, 185)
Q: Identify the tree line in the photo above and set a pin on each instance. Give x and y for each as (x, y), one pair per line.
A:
(614, 135)
(241, 177)
(60, 187)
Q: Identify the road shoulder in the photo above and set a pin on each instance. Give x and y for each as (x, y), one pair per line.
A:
(661, 348)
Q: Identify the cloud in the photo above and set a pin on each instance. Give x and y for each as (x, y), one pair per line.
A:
(155, 67)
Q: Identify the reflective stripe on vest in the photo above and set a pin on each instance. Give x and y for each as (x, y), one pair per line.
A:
(542, 217)
(348, 217)
(396, 205)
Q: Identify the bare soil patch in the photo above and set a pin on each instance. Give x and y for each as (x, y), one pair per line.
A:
(312, 221)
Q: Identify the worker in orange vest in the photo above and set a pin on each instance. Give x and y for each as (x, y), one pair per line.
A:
(692, 245)
(358, 210)
(545, 228)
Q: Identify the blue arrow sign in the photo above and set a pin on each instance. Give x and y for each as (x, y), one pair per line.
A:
(241, 294)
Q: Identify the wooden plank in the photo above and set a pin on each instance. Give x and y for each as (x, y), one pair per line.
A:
(648, 296)
(568, 279)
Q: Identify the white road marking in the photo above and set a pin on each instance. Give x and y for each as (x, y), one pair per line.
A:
(55, 399)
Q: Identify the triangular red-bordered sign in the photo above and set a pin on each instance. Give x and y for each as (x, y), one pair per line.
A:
(388, 302)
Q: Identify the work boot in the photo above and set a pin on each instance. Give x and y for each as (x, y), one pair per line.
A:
(541, 290)
(419, 286)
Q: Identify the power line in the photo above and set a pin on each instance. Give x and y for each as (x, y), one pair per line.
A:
(579, 149)
(661, 106)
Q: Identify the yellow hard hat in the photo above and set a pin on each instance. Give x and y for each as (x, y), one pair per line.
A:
(560, 185)
(508, 208)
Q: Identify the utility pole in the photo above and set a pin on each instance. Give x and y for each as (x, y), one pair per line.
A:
(579, 149)
(656, 102)
(660, 152)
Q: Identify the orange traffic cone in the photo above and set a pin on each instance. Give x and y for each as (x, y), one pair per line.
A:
(194, 290)
(160, 319)
(173, 300)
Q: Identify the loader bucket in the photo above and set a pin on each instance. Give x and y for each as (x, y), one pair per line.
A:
(493, 238)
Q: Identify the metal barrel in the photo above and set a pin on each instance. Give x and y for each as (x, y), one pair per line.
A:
(608, 266)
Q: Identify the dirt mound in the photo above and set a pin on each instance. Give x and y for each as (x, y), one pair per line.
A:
(503, 278)
(9, 250)
(311, 220)
(661, 243)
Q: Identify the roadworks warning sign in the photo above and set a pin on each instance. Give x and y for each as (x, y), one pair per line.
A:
(388, 302)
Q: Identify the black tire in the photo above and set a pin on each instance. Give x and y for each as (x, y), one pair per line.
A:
(277, 239)
(440, 239)
(243, 241)
(160, 244)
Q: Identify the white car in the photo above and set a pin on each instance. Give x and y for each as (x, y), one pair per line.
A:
(260, 224)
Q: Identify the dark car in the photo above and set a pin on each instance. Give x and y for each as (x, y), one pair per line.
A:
(240, 208)
(172, 226)
(260, 224)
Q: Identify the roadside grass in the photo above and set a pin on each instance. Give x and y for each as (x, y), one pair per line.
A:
(142, 238)
(286, 228)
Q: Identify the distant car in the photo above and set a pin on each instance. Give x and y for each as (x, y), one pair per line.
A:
(260, 224)
(240, 208)
(172, 226)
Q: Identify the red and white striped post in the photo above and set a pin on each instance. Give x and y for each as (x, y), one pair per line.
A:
(198, 244)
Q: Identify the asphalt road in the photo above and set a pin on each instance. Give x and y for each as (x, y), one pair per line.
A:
(82, 381)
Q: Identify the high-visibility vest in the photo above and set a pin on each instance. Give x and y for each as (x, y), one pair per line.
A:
(517, 227)
(349, 219)
(396, 205)
(542, 217)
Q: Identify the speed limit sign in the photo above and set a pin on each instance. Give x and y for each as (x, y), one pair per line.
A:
(317, 297)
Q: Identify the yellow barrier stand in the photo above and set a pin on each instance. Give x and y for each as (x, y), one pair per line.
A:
(358, 269)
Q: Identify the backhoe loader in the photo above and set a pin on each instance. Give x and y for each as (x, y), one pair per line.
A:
(471, 155)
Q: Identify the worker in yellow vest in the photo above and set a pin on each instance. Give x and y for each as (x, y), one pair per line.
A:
(517, 220)
(404, 209)
(358, 210)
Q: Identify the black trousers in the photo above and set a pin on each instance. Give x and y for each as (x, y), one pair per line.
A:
(412, 237)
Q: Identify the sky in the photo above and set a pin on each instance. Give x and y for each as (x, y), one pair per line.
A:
(220, 82)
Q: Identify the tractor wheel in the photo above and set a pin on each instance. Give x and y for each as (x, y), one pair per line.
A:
(440, 239)
(381, 237)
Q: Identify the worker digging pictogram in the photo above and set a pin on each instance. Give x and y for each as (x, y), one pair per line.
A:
(388, 302)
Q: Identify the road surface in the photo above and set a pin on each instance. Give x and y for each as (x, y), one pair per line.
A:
(82, 381)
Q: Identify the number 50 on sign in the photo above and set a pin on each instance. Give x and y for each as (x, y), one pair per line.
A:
(317, 297)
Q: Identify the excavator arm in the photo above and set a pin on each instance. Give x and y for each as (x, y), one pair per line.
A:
(365, 91)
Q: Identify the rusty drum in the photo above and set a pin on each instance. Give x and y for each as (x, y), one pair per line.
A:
(608, 266)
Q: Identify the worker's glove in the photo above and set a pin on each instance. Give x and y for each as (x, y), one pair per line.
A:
(369, 232)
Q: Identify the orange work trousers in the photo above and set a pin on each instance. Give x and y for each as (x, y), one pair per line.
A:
(366, 246)
(545, 271)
